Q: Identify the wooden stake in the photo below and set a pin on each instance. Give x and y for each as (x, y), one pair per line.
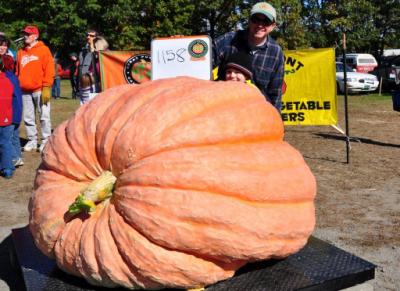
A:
(346, 117)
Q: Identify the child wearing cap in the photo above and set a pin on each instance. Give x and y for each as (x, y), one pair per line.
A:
(239, 68)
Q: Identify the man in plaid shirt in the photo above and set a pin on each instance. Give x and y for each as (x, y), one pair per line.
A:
(268, 60)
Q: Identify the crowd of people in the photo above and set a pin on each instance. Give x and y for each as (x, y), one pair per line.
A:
(29, 78)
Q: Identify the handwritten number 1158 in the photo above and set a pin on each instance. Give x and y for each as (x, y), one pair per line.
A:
(166, 56)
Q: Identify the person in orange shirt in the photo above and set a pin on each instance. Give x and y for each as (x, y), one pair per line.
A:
(35, 70)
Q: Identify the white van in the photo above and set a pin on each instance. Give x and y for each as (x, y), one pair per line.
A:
(362, 63)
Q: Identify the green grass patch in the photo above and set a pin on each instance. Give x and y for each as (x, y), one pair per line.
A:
(384, 97)
(359, 100)
(61, 109)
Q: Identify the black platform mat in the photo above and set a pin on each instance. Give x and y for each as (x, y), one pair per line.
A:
(318, 266)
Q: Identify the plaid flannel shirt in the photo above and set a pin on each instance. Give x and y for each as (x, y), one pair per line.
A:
(268, 62)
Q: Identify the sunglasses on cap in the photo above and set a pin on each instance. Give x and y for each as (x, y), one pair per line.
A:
(261, 21)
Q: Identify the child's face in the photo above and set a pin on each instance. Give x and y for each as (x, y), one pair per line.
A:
(3, 49)
(233, 74)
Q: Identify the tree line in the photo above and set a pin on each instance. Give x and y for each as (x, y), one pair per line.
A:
(370, 25)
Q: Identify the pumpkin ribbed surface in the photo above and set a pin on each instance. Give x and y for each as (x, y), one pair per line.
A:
(204, 183)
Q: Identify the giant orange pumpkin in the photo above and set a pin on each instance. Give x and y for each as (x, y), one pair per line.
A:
(183, 182)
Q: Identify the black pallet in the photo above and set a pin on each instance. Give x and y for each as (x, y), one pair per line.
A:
(318, 266)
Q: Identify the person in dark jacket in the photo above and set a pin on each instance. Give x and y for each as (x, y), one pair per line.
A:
(86, 55)
(73, 74)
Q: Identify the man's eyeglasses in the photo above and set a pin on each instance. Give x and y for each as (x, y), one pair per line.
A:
(90, 35)
(261, 21)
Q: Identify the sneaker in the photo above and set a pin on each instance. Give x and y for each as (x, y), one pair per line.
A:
(18, 162)
(7, 173)
(42, 146)
(30, 146)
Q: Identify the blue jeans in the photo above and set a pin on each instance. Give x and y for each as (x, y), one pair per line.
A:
(16, 143)
(56, 89)
(6, 149)
(75, 86)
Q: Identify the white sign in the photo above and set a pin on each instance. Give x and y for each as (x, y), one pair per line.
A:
(181, 56)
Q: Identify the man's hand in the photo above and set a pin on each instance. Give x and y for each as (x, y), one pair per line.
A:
(46, 94)
(91, 44)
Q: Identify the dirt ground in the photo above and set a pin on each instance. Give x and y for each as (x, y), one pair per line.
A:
(358, 204)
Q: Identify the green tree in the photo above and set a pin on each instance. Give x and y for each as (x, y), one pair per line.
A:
(167, 18)
(387, 23)
(291, 32)
(120, 24)
(215, 17)
(60, 24)
(314, 23)
(370, 26)
(355, 18)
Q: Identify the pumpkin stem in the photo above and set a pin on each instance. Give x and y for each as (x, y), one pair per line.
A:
(99, 190)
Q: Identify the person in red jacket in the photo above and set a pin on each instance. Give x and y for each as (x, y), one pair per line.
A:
(35, 70)
(6, 128)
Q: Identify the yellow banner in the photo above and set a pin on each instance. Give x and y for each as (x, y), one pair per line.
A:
(124, 67)
(309, 96)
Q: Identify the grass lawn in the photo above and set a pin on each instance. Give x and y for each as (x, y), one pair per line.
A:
(64, 107)
(61, 109)
(357, 100)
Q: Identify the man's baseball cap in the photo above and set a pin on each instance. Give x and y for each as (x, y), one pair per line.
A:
(265, 9)
(31, 29)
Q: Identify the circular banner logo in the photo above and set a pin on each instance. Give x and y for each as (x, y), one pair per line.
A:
(137, 69)
(198, 48)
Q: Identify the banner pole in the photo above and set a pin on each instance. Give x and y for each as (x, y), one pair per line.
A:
(346, 117)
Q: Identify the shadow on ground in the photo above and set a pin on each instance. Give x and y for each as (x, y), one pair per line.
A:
(357, 139)
(9, 273)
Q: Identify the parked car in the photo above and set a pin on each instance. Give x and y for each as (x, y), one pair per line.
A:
(387, 71)
(362, 63)
(356, 82)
